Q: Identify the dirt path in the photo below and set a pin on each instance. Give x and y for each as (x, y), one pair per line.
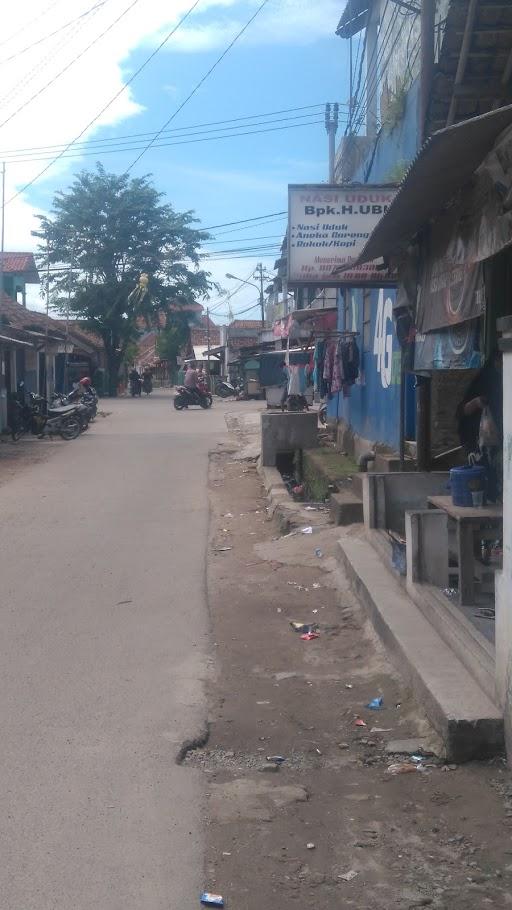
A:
(438, 838)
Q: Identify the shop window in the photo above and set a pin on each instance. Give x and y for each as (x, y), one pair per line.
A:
(367, 320)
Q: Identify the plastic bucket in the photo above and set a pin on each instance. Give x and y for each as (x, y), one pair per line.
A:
(464, 482)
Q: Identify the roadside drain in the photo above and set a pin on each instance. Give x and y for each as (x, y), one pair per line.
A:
(226, 760)
(189, 746)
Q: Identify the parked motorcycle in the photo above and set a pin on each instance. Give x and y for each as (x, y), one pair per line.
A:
(295, 403)
(224, 388)
(84, 411)
(40, 419)
(322, 415)
(186, 398)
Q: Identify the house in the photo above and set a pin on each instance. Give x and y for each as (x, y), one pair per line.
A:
(466, 59)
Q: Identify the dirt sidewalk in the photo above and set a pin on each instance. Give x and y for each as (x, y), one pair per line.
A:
(331, 826)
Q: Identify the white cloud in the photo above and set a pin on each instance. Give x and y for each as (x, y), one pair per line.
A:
(61, 112)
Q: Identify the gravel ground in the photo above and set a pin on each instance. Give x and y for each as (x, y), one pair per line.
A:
(331, 825)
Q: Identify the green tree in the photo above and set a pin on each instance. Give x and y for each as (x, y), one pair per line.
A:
(132, 257)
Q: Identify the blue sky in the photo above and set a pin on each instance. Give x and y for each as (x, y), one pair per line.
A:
(289, 58)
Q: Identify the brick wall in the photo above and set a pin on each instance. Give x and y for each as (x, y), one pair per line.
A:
(447, 390)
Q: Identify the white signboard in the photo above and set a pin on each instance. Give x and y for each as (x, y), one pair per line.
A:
(328, 226)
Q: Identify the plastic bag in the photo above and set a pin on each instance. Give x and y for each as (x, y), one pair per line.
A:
(488, 434)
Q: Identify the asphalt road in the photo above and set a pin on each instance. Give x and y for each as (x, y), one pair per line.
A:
(103, 650)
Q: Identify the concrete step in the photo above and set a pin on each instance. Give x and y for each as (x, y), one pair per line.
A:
(357, 484)
(384, 464)
(468, 721)
(345, 508)
(473, 650)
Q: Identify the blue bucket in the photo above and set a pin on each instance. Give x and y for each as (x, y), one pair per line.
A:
(464, 482)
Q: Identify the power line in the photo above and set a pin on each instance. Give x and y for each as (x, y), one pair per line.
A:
(237, 239)
(243, 221)
(176, 130)
(249, 227)
(182, 141)
(31, 21)
(200, 83)
(61, 28)
(70, 64)
(109, 103)
(30, 75)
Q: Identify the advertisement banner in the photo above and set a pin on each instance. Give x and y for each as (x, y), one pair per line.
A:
(452, 285)
(454, 348)
(328, 227)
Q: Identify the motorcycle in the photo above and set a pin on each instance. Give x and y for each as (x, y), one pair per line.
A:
(322, 415)
(84, 411)
(224, 388)
(186, 398)
(40, 419)
(295, 403)
(147, 385)
(135, 388)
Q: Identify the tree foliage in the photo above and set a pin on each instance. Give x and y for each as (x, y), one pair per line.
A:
(111, 230)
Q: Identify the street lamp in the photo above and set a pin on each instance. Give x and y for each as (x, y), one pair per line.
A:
(260, 270)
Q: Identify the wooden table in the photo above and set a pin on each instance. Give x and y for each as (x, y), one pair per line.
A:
(469, 520)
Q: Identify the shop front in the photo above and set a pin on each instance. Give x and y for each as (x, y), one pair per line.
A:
(449, 234)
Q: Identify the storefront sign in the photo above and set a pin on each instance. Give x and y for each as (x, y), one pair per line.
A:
(328, 227)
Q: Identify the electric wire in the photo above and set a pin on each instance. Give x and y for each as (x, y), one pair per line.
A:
(176, 130)
(373, 69)
(48, 59)
(22, 28)
(183, 141)
(108, 104)
(200, 83)
(61, 28)
(69, 65)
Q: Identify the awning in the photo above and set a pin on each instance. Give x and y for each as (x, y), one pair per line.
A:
(312, 313)
(444, 164)
(16, 341)
(353, 18)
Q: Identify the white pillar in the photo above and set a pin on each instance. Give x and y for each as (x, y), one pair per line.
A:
(504, 578)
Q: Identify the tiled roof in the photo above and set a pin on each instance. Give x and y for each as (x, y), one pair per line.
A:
(78, 331)
(236, 344)
(17, 316)
(20, 264)
(245, 324)
(200, 336)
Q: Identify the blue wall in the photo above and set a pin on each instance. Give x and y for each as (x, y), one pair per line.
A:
(373, 408)
(395, 147)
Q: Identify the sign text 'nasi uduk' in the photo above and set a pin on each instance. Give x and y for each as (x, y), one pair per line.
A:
(328, 227)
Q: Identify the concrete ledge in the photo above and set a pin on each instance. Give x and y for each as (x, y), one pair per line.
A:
(469, 723)
(345, 509)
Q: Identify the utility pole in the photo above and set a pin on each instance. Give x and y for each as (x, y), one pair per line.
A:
(427, 39)
(259, 273)
(2, 233)
(331, 126)
(208, 345)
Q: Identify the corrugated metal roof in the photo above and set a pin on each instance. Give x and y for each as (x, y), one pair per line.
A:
(444, 164)
(353, 18)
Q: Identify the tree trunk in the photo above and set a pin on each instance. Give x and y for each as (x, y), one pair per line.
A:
(113, 364)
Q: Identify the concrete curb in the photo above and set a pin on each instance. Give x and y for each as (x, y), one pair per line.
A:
(469, 723)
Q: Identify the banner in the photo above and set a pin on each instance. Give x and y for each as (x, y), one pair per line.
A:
(451, 284)
(328, 227)
(455, 348)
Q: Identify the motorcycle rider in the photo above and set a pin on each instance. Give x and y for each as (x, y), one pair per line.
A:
(135, 381)
(147, 381)
(191, 376)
